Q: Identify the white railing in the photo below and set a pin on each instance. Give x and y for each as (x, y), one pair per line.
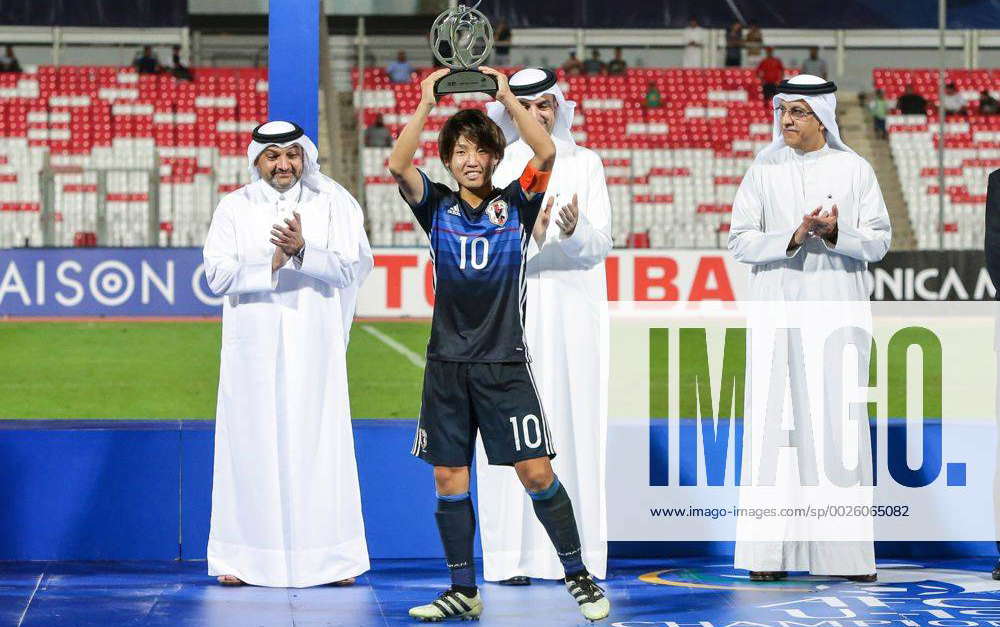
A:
(62, 37)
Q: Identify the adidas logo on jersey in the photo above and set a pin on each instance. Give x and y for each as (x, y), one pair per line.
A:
(454, 210)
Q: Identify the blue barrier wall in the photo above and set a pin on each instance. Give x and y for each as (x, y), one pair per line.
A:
(129, 490)
(103, 490)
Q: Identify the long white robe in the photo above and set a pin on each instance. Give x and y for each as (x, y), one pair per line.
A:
(286, 506)
(694, 56)
(769, 205)
(567, 338)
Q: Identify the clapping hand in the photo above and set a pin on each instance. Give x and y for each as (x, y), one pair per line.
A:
(288, 237)
(804, 231)
(818, 224)
(568, 217)
(824, 225)
(542, 223)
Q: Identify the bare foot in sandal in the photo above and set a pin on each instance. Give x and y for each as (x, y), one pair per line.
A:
(230, 580)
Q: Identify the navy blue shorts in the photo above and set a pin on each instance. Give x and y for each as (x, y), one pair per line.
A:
(499, 400)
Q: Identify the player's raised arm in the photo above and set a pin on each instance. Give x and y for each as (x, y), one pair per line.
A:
(530, 130)
(401, 166)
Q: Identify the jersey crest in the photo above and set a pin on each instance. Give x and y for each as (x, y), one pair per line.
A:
(497, 212)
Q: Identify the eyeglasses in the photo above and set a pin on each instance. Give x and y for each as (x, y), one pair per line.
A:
(797, 113)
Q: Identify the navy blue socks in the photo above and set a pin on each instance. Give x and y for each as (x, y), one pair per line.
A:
(555, 511)
(457, 525)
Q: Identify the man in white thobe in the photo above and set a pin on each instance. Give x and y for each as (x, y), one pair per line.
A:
(567, 336)
(289, 252)
(695, 39)
(992, 252)
(808, 217)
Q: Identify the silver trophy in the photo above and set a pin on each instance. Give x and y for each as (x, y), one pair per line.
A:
(461, 39)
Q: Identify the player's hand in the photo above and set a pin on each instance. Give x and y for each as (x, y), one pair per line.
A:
(503, 88)
(288, 237)
(278, 259)
(542, 223)
(568, 217)
(427, 86)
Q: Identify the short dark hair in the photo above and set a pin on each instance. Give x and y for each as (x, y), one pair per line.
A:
(474, 126)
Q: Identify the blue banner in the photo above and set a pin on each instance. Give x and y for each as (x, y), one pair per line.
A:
(105, 282)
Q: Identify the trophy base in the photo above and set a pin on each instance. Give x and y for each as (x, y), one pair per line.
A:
(465, 82)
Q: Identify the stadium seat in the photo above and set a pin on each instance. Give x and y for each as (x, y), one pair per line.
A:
(79, 119)
(972, 151)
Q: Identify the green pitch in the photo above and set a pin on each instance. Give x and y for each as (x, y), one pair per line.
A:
(170, 370)
(154, 370)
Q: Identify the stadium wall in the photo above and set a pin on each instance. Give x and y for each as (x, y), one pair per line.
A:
(136, 490)
(158, 282)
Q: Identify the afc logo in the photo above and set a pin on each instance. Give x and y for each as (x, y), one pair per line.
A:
(497, 212)
(422, 440)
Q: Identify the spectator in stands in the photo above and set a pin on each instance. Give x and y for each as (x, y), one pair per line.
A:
(734, 45)
(988, 105)
(594, 65)
(879, 108)
(814, 65)
(753, 44)
(147, 62)
(911, 103)
(954, 103)
(8, 61)
(180, 70)
(501, 43)
(572, 66)
(377, 135)
(400, 71)
(653, 98)
(770, 71)
(617, 65)
(694, 37)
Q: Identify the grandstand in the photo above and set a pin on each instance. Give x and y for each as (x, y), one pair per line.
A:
(97, 140)
(78, 133)
(83, 146)
(972, 151)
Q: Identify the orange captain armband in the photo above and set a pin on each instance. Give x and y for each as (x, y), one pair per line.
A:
(533, 180)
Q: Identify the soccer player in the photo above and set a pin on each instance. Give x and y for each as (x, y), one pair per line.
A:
(478, 376)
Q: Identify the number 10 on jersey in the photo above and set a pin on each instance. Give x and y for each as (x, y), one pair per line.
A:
(478, 254)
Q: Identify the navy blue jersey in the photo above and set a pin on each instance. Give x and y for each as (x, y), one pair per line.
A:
(479, 257)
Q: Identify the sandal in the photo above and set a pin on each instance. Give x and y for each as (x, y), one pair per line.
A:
(230, 580)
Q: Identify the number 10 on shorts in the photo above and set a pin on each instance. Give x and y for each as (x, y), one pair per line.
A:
(532, 437)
